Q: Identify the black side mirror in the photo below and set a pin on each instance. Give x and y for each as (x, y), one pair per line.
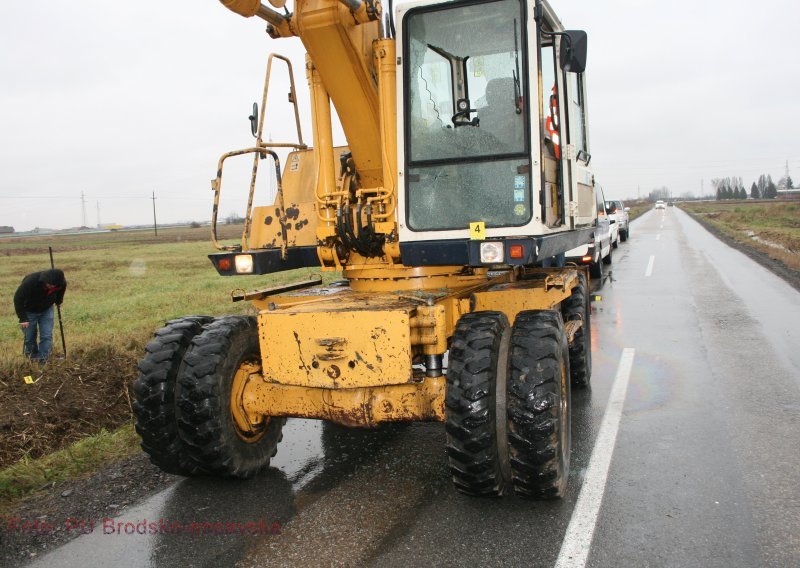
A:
(573, 51)
(254, 121)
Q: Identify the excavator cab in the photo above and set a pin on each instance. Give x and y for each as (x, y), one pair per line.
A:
(492, 140)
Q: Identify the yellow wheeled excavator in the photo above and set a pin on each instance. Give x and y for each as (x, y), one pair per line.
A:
(465, 177)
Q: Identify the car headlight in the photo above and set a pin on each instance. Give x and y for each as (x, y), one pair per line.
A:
(244, 263)
(492, 252)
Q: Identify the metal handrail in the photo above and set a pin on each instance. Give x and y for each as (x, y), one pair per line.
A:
(258, 151)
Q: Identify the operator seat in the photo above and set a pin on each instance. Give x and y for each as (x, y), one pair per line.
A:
(499, 118)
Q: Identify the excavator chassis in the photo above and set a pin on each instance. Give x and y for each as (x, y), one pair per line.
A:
(358, 358)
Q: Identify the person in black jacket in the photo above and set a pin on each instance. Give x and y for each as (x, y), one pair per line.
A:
(33, 302)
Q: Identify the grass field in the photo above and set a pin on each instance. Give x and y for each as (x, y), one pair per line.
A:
(121, 287)
(771, 227)
(638, 208)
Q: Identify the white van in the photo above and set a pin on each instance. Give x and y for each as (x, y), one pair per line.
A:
(598, 251)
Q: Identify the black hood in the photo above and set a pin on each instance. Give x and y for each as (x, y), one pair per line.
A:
(53, 276)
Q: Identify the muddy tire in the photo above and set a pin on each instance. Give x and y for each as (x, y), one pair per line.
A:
(155, 395)
(578, 307)
(478, 364)
(205, 418)
(539, 405)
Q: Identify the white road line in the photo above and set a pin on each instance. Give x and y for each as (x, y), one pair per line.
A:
(649, 271)
(578, 540)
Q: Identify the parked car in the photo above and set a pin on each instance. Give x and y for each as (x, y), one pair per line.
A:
(618, 214)
(660, 205)
(598, 251)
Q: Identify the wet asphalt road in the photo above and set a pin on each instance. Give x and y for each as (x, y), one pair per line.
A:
(705, 470)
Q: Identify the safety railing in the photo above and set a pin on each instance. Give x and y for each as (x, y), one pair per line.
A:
(259, 151)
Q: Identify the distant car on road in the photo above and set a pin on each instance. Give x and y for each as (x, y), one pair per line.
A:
(660, 205)
(618, 215)
(598, 251)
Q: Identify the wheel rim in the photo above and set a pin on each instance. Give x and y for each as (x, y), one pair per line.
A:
(248, 428)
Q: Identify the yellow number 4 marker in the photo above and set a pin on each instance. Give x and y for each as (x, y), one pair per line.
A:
(477, 231)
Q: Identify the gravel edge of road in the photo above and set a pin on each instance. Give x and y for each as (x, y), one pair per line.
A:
(39, 524)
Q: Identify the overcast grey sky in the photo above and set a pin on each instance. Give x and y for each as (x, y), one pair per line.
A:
(119, 100)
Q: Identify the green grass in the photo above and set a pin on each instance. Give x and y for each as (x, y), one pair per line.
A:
(122, 286)
(638, 208)
(81, 458)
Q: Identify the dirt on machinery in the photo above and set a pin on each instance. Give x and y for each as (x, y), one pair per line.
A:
(62, 402)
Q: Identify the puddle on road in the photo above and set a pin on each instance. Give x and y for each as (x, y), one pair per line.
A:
(300, 454)
(158, 532)
(313, 457)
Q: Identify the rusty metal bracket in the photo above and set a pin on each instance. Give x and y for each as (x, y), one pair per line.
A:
(555, 281)
(239, 294)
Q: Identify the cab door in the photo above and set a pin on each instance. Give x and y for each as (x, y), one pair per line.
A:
(582, 191)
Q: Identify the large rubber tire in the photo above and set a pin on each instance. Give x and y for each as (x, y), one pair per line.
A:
(204, 402)
(478, 364)
(578, 307)
(539, 407)
(154, 395)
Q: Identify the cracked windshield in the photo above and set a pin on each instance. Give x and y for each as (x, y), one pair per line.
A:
(467, 117)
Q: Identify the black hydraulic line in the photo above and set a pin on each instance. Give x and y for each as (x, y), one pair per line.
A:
(348, 226)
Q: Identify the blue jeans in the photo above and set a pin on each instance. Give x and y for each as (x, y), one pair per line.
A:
(43, 323)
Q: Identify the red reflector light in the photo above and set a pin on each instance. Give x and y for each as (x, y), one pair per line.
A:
(516, 251)
(224, 264)
(586, 259)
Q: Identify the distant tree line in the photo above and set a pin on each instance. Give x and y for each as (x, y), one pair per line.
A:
(763, 188)
(662, 192)
(729, 188)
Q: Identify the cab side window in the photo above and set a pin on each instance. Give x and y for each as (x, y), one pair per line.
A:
(577, 108)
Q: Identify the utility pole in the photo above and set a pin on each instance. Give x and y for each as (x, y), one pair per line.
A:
(83, 211)
(155, 224)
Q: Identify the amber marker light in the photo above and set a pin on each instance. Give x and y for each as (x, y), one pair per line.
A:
(224, 264)
(516, 251)
(586, 258)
